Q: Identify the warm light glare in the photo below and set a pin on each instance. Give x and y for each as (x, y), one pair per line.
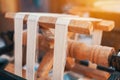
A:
(108, 5)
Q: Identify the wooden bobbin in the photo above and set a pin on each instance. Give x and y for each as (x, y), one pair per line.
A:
(96, 54)
(105, 53)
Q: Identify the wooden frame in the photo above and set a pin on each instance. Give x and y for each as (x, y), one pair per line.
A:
(78, 25)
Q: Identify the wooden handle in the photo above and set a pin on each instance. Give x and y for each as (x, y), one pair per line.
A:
(77, 26)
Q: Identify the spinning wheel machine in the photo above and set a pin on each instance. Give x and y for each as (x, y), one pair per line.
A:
(62, 54)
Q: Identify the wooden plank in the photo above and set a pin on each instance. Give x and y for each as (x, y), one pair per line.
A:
(78, 26)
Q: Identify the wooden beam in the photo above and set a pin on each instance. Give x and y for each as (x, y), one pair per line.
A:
(77, 26)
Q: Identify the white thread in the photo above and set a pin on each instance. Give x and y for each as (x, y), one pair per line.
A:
(18, 25)
(61, 28)
(32, 28)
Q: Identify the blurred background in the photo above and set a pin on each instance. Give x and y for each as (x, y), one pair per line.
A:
(106, 9)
